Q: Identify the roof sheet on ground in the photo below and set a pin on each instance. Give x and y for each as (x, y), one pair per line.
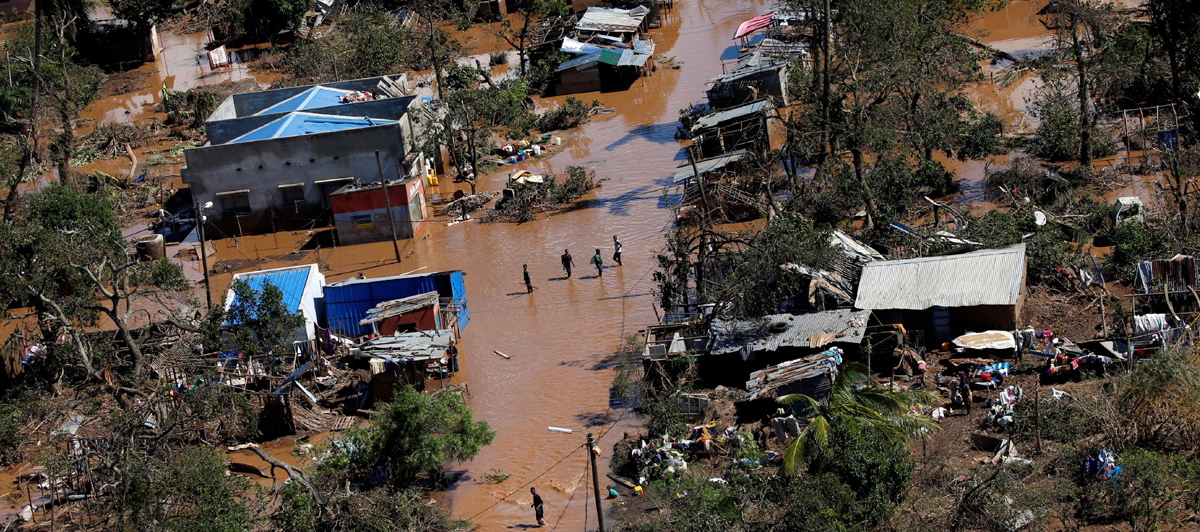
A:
(987, 277)
(312, 98)
(291, 281)
(299, 123)
(711, 164)
(788, 330)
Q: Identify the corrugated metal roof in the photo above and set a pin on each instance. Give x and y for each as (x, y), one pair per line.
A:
(291, 281)
(988, 277)
(711, 164)
(720, 117)
(423, 345)
(818, 370)
(300, 123)
(607, 19)
(398, 307)
(347, 302)
(787, 330)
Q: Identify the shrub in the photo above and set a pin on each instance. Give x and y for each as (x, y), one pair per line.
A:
(498, 57)
(572, 113)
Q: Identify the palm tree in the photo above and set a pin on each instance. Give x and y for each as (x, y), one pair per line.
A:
(854, 398)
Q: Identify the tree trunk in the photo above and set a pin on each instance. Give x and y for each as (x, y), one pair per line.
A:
(862, 181)
(1085, 111)
(31, 140)
(135, 350)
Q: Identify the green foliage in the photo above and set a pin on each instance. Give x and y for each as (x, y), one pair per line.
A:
(1058, 127)
(757, 286)
(142, 13)
(1151, 491)
(873, 465)
(258, 322)
(855, 403)
(411, 438)
(572, 113)
(381, 509)
(1062, 421)
(1132, 243)
(371, 43)
(188, 489)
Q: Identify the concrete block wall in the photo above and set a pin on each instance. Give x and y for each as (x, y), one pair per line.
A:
(350, 233)
(262, 166)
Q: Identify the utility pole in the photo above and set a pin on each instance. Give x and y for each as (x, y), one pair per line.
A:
(591, 442)
(203, 253)
(471, 146)
(387, 202)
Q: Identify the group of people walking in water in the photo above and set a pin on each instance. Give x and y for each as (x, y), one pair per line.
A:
(568, 263)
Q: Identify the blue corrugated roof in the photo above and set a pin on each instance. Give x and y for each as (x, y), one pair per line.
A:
(291, 281)
(299, 123)
(347, 302)
(310, 99)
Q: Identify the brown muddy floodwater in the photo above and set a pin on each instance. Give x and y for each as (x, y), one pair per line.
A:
(559, 336)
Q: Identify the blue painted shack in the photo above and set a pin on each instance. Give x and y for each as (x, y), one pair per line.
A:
(347, 302)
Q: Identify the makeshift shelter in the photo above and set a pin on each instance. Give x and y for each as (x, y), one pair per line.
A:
(348, 302)
(760, 73)
(812, 376)
(414, 313)
(947, 295)
(622, 24)
(743, 127)
(723, 163)
(409, 358)
(742, 346)
(604, 68)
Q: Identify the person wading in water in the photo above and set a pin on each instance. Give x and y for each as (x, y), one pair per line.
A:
(538, 510)
(599, 262)
(567, 262)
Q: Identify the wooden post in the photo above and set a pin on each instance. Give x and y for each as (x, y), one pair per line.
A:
(1037, 414)
(591, 443)
(387, 202)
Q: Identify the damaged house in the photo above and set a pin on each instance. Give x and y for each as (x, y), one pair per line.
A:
(349, 303)
(274, 157)
(947, 295)
(743, 346)
(753, 127)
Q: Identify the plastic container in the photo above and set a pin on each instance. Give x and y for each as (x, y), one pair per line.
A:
(557, 141)
(537, 150)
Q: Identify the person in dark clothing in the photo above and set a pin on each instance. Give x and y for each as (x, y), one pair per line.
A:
(567, 262)
(617, 251)
(599, 262)
(528, 283)
(538, 510)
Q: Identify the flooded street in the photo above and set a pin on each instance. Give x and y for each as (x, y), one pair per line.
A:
(561, 336)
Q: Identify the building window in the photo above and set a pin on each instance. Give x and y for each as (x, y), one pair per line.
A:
(362, 221)
(235, 202)
(292, 194)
